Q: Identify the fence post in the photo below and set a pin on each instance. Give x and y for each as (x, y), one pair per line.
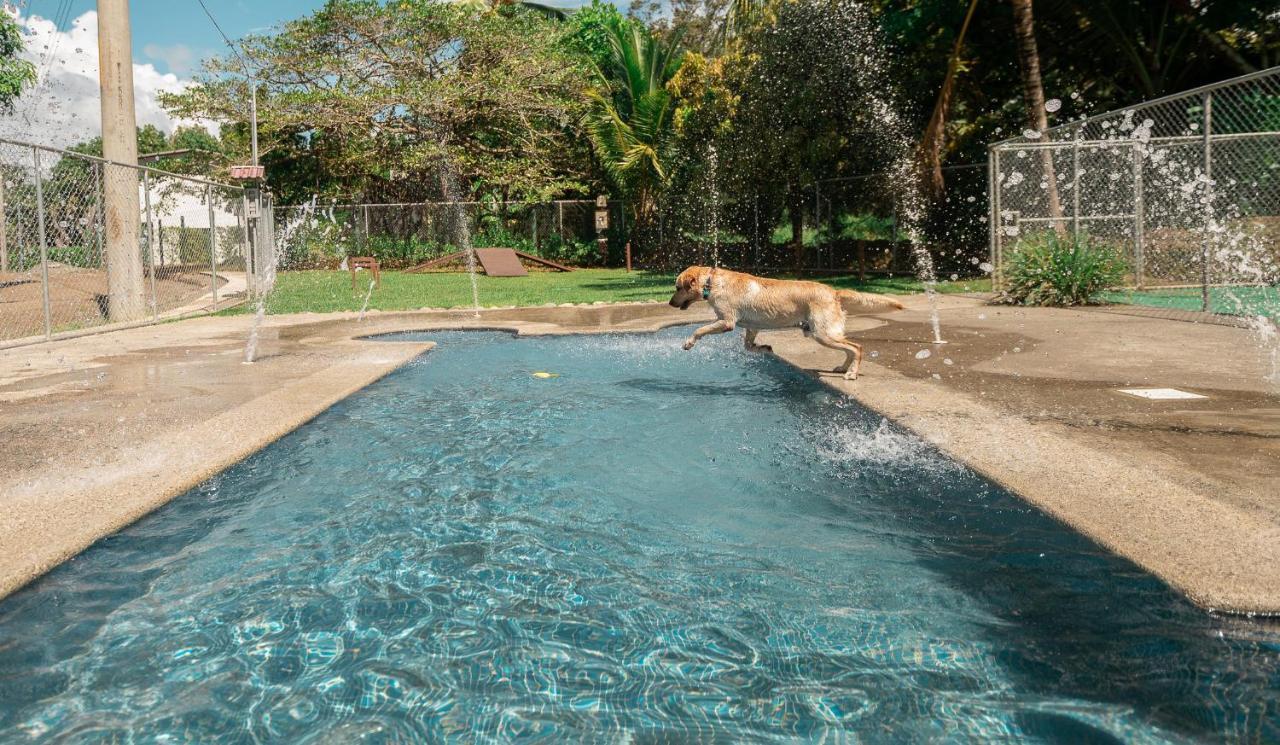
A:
(1208, 202)
(1139, 218)
(4, 233)
(1075, 187)
(534, 212)
(560, 219)
(997, 224)
(100, 219)
(366, 229)
(160, 240)
(213, 246)
(246, 246)
(151, 254)
(44, 245)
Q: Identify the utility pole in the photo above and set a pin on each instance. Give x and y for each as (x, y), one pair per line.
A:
(125, 297)
(253, 119)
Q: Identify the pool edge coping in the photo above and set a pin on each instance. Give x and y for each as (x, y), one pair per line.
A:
(962, 428)
(899, 402)
(151, 490)
(68, 533)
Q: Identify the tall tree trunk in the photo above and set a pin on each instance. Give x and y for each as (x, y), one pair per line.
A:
(934, 139)
(1024, 27)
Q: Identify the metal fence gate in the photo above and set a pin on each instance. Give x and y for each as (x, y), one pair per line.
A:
(1186, 186)
(66, 267)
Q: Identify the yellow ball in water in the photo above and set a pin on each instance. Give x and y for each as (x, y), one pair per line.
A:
(545, 375)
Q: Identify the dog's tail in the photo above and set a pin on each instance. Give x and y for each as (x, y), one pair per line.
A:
(866, 302)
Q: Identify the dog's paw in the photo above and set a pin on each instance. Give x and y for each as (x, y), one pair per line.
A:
(688, 344)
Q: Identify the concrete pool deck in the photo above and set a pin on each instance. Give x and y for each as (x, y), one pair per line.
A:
(100, 430)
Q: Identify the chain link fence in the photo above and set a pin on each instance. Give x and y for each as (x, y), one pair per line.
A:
(400, 236)
(1186, 188)
(86, 243)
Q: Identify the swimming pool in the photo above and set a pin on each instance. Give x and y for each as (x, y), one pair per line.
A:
(655, 545)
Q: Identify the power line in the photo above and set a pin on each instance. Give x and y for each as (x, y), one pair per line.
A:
(234, 49)
(48, 57)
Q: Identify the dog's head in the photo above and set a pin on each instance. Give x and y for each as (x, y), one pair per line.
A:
(689, 287)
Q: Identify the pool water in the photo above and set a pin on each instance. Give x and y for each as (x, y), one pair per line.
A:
(654, 546)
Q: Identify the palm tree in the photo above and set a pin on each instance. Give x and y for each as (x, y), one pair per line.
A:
(493, 6)
(1024, 27)
(630, 122)
(935, 132)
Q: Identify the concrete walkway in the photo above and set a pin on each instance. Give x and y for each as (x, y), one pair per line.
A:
(100, 430)
(1188, 489)
(112, 426)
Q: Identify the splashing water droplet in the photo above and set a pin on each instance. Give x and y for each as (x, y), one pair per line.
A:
(923, 354)
(1052, 105)
(1031, 134)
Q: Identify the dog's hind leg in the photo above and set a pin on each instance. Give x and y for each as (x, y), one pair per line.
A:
(853, 352)
(719, 327)
(750, 341)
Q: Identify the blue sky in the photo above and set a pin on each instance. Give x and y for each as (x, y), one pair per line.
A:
(174, 35)
(170, 38)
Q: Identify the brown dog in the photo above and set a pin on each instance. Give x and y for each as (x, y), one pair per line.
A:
(756, 304)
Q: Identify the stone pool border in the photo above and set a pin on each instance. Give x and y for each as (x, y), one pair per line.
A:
(50, 517)
(1218, 555)
(1133, 503)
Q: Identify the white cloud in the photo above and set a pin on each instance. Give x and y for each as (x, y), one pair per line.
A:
(63, 108)
(180, 58)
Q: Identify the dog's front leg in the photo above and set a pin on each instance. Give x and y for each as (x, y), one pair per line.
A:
(719, 327)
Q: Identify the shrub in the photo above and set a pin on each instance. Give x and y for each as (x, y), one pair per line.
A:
(1052, 269)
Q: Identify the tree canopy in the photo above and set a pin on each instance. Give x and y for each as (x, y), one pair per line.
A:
(367, 100)
(16, 74)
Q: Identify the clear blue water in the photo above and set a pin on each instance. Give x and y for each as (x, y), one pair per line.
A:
(654, 546)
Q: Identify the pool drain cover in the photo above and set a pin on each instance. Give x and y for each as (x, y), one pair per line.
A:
(1161, 394)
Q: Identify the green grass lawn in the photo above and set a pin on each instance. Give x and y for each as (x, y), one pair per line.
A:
(1235, 301)
(330, 291)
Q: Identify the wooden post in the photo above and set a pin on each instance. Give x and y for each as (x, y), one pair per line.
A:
(628, 249)
(862, 261)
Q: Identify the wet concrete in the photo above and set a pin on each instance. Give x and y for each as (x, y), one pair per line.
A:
(1189, 489)
(100, 430)
(111, 426)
